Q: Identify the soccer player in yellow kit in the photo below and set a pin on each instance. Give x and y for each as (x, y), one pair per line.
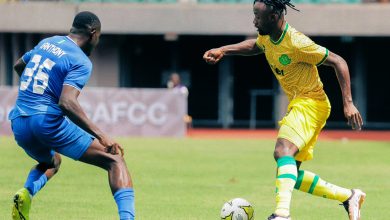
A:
(294, 58)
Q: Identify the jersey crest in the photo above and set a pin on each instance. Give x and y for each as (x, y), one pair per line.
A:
(284, 60)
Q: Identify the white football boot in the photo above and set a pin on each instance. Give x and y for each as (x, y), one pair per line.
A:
(354, 204)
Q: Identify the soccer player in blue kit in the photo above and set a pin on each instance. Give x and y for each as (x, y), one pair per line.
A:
(47, 119)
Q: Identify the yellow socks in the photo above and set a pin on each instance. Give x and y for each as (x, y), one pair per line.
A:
(288, 178)
(313, 184)
(285, 181)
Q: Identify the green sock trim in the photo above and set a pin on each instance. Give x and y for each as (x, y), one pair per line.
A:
(313, 184)
(298, 184)
(289, 176)
(286, 160)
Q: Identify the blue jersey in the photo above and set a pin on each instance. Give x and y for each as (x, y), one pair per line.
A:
(54, 62)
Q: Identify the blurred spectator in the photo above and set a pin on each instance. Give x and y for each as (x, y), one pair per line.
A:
(174, 83)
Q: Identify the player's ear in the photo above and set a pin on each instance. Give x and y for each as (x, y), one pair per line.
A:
(92, 34)
(273, 17)
(93, 31)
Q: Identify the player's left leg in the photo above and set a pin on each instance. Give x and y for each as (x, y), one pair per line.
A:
(352, 200)
(311, 183)
(41, 173)
(36, 180)
(49, 163)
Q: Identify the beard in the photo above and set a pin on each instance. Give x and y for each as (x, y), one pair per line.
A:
(262, 32)
(87, 49)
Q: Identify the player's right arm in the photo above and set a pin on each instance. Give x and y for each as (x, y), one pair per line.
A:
(71, 107)
(76, 78)
(244, 48)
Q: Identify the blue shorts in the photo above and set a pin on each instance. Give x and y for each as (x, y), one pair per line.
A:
(42, 135)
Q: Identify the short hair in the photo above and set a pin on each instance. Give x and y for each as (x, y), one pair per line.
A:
(278, 6)
(85, 21)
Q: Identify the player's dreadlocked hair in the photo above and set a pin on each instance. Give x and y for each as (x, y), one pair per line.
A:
(278, 6)
(85, 21)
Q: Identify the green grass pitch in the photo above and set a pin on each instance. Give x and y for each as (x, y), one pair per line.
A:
(189, 179)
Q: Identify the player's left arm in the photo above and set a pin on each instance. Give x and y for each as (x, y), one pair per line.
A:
(342, 72)
(19, 66)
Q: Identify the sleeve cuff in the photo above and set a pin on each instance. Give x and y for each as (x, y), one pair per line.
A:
(72, 86)
(324, 58)
(22, 58)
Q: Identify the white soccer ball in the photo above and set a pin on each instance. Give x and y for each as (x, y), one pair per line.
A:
(237, 209)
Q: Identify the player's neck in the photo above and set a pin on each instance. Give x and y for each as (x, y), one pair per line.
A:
(278, 30)
(77, 39)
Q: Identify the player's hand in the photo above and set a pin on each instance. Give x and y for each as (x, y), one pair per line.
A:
(353, 116)
(213, 56)
(111, 146)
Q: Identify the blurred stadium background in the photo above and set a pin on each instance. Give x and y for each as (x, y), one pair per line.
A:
(144, 41)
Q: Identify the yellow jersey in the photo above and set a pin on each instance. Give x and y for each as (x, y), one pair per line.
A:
(294, 59)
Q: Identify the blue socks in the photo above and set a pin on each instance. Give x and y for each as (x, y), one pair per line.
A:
(124, 199)
(35, 181)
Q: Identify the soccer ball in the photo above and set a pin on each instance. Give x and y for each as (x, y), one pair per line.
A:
(237, 209)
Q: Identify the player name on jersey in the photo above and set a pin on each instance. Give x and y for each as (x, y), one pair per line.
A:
(51, 48)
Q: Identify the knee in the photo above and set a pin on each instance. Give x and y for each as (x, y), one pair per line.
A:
(114, 161)
(284, 148)
(55, 164)
(279, 152)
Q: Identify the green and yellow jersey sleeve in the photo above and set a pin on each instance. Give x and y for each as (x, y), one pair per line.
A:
(307, 51)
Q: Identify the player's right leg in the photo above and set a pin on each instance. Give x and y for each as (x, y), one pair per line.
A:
(296, 128)
(286, 177)
(118, 176)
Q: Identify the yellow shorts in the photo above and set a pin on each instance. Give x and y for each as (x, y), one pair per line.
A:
(302, 124)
